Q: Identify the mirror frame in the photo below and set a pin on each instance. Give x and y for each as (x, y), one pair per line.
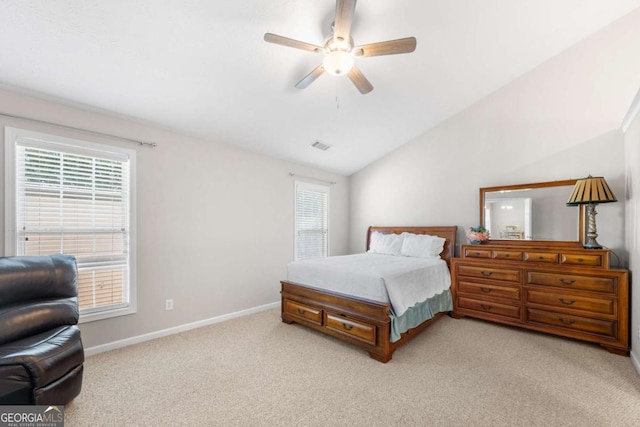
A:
(517, 242)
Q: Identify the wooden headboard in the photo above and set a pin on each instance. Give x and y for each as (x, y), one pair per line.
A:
(449, 233)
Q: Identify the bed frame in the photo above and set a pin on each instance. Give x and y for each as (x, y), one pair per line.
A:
(358, 321)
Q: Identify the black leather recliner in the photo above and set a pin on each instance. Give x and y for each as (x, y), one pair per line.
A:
(41, 354)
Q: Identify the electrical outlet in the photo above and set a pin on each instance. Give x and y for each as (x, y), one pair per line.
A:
(168, 304)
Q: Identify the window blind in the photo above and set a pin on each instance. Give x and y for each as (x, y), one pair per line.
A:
(76, 201)
(311, 220)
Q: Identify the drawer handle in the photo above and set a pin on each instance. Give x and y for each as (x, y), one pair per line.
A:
(580, 260)
(540, 257)
(486, 307)
(506, 256)
(566, 322)
(301, 311)
(477, 253)
(486, 290)
(567, 282)
(562, 300)
(347, 327)
(486, 273)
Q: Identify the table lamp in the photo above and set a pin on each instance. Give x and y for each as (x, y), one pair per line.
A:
(590, 191)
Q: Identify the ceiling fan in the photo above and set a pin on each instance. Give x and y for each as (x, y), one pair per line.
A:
(339, 51)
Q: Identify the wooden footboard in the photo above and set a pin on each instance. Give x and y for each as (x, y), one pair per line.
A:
(361, 322)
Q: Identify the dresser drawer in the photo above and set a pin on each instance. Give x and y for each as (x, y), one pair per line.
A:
(477, 253)
(582, 259)
(512, 311)
(572, 281)
(508, 274)
(508, 255)
(566, 300)
(578, 323)
(547, 257)
(303, 311)
(353, 328)
(494, 291)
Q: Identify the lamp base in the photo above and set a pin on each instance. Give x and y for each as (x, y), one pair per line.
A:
(591, 242)
(595, 245)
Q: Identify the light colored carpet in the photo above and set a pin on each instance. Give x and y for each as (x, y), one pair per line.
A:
(258, 371)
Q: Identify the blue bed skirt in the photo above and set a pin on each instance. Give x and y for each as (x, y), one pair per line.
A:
(419, 313)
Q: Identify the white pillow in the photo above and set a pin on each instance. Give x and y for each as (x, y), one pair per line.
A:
(422, 245)
(437, 246)
(388, 244)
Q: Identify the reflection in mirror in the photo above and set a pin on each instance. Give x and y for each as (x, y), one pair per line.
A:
(530, 212)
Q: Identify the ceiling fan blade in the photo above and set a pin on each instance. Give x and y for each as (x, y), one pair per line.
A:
(285, 41)
(390, 47)
(360, 80)
(311, 77)
(345, 9)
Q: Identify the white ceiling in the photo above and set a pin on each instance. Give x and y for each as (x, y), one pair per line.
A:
(201, 67)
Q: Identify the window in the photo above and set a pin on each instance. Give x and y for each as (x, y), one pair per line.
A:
(311, 220)
(74, 197)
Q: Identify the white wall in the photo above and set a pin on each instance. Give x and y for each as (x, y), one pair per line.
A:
(632, 219)
(215, 224)
(559, 121)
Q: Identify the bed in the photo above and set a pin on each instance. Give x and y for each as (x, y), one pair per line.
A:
(368, 321)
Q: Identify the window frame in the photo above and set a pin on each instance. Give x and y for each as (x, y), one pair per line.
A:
(311, 186)
(51, 141)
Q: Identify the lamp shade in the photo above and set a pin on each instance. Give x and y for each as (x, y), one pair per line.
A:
(591, 190)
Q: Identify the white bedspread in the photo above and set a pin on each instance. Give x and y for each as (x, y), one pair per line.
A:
(402, 281)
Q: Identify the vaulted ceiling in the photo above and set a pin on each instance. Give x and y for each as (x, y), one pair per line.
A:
(202, 68)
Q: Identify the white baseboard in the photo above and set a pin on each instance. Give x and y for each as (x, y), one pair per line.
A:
(174, 330)
(635, 361)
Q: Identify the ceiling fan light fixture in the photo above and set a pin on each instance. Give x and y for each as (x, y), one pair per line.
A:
(339, 50)
(338, 62)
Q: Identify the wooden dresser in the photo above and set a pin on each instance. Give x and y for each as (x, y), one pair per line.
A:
(567, 291)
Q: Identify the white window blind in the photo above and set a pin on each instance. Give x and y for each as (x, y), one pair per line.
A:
(311, 220)
(75, 200)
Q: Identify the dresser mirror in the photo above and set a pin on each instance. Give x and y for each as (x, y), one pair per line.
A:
(531, 213)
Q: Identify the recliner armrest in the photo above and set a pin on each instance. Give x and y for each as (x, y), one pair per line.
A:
(28, 318)
(46, 356)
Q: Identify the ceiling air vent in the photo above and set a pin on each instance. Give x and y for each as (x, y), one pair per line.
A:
(321, 146)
